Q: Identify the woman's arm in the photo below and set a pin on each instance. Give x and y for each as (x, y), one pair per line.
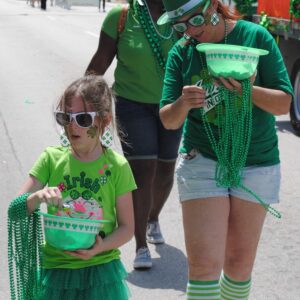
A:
(119, 237)
(39, 194)
(276, 102)
(102, 59)
(173, 115)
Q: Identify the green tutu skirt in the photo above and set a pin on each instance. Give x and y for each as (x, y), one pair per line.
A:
(101, 282)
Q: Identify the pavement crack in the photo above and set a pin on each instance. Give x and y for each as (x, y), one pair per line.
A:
(13, 149)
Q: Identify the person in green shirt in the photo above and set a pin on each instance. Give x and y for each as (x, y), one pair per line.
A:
(96, 183)
(222, 225)
(141, 48)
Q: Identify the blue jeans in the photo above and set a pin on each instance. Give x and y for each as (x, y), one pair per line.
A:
(196, 180)
(144, 135)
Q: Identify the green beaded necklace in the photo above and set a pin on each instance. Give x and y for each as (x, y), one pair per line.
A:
(232, 140)
(25, 239)
(153, 36)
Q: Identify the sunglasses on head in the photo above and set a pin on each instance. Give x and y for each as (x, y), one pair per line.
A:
(195, 20)
(82, 119)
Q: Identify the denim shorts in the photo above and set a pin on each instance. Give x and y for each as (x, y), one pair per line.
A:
(144, 135)
(196, 180)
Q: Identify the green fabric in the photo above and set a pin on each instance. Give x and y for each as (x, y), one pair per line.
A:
(100, 181)
(184, 68)
(137, 75)
(231, 289)
(203, 290)
(178, 9)
(105, 281)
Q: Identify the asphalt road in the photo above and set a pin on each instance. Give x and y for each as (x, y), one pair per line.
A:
(43, 51)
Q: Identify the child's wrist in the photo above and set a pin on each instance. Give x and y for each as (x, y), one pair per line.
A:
(18, 207)
(33, 202)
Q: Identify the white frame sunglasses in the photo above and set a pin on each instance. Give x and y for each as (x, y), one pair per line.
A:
(64, 119)
(195, 20)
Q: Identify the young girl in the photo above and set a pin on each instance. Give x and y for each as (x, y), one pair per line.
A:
(84, 170)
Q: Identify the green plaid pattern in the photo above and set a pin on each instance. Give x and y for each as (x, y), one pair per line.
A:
(63, 139)
(214, 19)
(107, 138)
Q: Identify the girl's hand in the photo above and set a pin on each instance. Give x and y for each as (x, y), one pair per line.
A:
(49, 195)
(192, 96)
(86, 254)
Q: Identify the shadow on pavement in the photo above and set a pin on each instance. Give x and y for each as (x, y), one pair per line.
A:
(284, 126)
(169, 271)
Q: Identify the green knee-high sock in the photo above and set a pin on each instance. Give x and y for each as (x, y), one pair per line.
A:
(234, 290)
(204, 290)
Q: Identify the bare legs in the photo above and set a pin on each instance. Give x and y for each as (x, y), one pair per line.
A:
(154, 179)
(221, 233)
(162, 186)
(244, 230)
(205, 230)
(144, 172)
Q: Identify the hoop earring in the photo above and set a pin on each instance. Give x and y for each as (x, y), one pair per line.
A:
(214, 20)
(64, 141)
(107, 138)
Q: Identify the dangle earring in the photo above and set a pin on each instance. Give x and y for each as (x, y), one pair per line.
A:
(107, 138)
(186, 37)
(64, 141)
(214, 20)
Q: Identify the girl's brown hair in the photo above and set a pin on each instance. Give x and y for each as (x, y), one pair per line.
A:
(94, 92)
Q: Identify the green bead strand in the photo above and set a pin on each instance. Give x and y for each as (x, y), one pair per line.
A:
(232, 139)
(25, 239)
(152, 35)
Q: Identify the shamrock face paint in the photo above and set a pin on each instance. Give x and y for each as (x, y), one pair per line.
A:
(92, 132)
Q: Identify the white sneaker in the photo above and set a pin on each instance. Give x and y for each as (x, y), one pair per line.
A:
(154, 235)
(142, 259)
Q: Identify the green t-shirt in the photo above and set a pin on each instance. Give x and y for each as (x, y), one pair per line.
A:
(100, 182)
(138, 76)
(185, 67)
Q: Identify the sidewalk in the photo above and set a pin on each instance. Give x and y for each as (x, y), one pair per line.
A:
(71, 3)
(74, 5)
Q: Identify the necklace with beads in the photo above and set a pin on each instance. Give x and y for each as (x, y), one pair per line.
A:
(231, 140)
(163, 37)
(25, 242)
(153, 35)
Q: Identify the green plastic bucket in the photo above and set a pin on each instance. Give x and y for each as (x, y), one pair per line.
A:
(70, 233)
(234, 61)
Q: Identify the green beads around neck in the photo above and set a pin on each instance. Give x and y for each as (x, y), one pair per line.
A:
(152, 34)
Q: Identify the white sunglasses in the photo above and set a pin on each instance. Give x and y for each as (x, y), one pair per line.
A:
(195, 20)
(82, 119)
